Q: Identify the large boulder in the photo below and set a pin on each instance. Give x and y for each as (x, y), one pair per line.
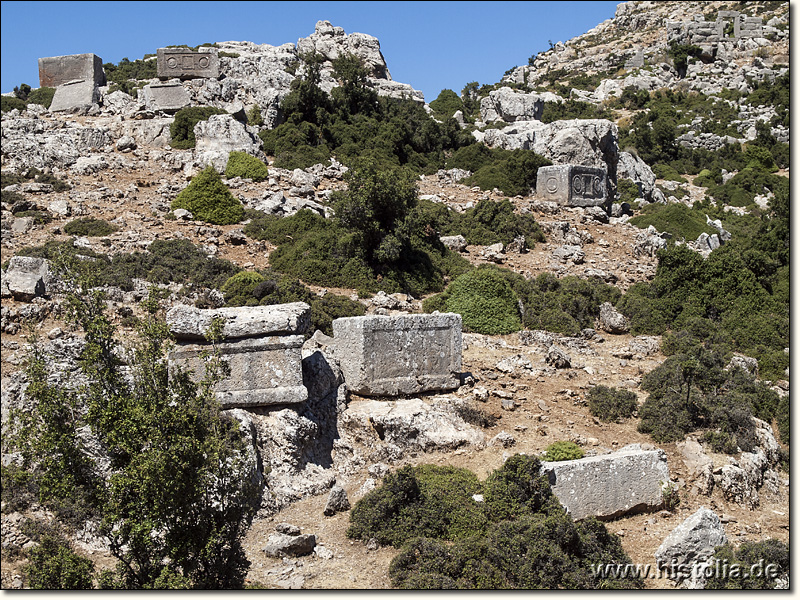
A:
(611, 320)
(28, 277)
(507, 105)
(632, 167)
(690, 544)
(220, 135)
(332, 42)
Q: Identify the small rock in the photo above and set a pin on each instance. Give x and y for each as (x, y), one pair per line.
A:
(337, 501)
(287, 529)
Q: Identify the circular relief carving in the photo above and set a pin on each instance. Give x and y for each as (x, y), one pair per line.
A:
(577, 184)
(172, 62)
(598, 186)
(203, 62)
(552, 185)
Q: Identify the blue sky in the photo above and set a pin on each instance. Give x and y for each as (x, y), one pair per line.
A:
(430, 45)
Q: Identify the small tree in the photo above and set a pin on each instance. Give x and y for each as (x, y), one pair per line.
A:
(210, 200)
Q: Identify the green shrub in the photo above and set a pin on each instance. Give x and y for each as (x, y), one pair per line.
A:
(475, 416)
(8, 103)
(42, 95)
(628, 190)
(745, 557)
(489, 222)
(129, 75)
(241, 164)
(423, 501)
(665, 171)
(558, 451)
(210, 200)
(511, 171)
(518, 488)
(611, 404)
(89, 226)
(239, 289)
(40, 217)
(784, 422)
(254, 117)
(446, 104)
(678, 220)
(485, 300)
(182, 128)
(53, 565)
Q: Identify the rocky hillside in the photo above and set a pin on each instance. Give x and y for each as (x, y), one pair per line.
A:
(677, 280)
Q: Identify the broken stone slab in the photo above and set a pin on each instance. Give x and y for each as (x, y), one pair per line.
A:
(58, 70)
(690, 544)
(572, 185)
(399, 355)
(263, 371)
(456, 243)
(613, 321)
(610, 485)
(165, 97)
(337, 501)
(190, 323)
(185, 64)
(280, 544)
(76, 95)
(28, 277)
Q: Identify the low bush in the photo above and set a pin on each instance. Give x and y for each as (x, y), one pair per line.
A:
(182, 128)
(558, 451)
(210, 200)
(90, 227)
(490, 222)
(784, 422)
(484, 299)
(678, 220)
(475, 416)
(42, 95)
(53, 565)
(748, 555)
(40, 217)
(628, 191)
(611, 404)
(8, 103)
(241, 164)
(513, 172)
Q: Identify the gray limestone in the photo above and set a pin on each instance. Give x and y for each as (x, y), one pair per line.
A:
(691, 543)
(610, 485)
(572, 185)
(262, 346)
(75, 95)
(399, 355)
(58, 70)
(28, 277)
(165, 97)
(185, 64)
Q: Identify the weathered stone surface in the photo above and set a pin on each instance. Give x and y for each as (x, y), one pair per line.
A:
(263, 371)
(280, 544)
(332, 42)
(337, 501)
(190, 323)
(507, 105)
(58, 70)
(77, 95)
(557, 358)
(691, 543)
(165, 97)
(456, 243)
(632, 167)
(399, 355)
(610, 485)
(611, 320)
(648, 242)
(572, 185)
(218, 136)
(28, 277)
(183, 63)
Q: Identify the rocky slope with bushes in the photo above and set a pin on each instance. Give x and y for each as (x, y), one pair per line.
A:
(306, 173)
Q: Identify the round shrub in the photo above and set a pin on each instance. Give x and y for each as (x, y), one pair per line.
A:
(240, 289)
(611, 404)
(53, 565)
(241, 164)
(90, 227)
(485, 301)
(563, 451)
(210, 200)
(518, 488)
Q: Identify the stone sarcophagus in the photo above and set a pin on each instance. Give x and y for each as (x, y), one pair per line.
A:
(572, 185)
(261, 344)
(399, 355)
(185, 64)
(58, 70)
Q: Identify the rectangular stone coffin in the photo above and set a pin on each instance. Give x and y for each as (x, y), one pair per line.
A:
(610, 485)
(166, 97)
(572, 185)
(183, 63)
(79, 94)
(58, 70)
(399, 355)
(261, 344)
(264, 370)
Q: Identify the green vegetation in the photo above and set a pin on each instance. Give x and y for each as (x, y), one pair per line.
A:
(241, 164)
(783, 417)
(128, 75)
(42, 95)
(745, 557)
(34, 174)
(680, 54)
(611, 404)
(8, 103)
(691, 390)
(628, 190)
(174, 504)
(558, 451)
(24, 95)
(447, 103)
(182, 128)
(210, 200)
(249, 288)
(254, 117)
(574, 109)
(518, 538)
(678, 220)
(740, 293)
(513, 172)
(54, 565)
(89, 226)
(355, 123)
